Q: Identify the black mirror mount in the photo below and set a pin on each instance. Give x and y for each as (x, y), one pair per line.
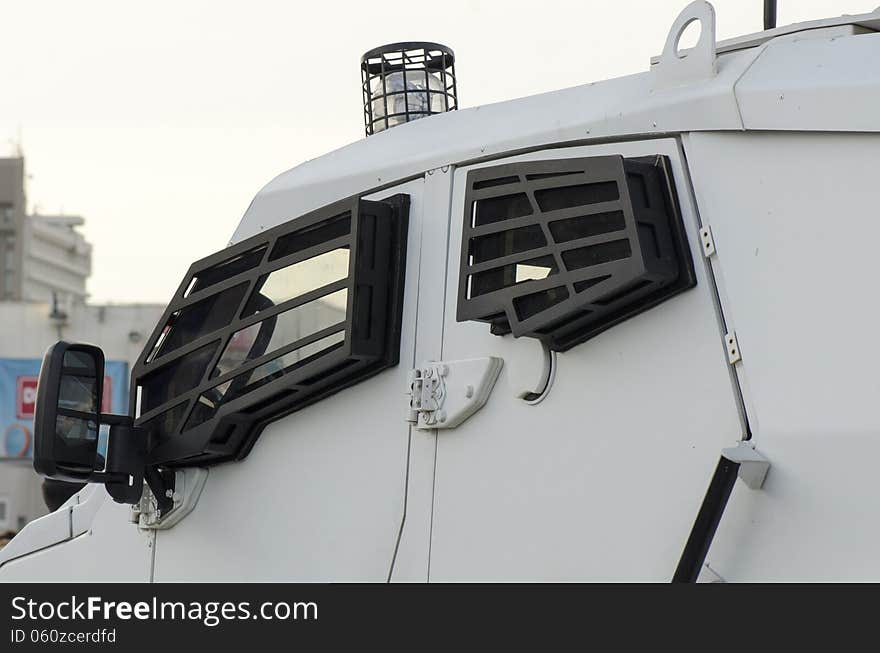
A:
(67, 424)
(126, 456)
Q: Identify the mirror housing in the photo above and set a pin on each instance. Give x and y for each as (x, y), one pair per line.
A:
(68, 421)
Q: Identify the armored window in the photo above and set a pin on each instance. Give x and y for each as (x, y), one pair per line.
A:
(562, 250)
(270, 325)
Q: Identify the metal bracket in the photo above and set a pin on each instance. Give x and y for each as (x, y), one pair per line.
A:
(753, 467)
(708, 241)
(442, 395)
(677, 67)
(741, 461)
(188, 485)
(734, 355)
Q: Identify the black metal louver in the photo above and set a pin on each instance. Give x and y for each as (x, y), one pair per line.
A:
(270, 325)
(562, 250)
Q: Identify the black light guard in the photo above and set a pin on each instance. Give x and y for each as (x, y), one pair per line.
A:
(201, 409)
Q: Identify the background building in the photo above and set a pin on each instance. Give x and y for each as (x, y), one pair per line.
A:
(42, 255)
(44, 265)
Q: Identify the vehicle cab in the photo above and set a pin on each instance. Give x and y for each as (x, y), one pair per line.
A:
(513, 342)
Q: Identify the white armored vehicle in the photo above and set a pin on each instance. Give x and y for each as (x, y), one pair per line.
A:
(536, 340)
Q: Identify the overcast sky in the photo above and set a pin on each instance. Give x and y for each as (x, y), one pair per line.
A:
(159, 121)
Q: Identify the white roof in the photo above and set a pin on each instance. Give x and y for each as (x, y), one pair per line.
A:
(818, 76)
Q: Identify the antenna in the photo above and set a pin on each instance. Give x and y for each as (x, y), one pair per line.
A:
(769, 14)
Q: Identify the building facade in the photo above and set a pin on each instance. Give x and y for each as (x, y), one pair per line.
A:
(44, 266)
(42, 257)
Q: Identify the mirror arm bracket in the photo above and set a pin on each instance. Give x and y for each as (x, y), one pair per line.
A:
(116, 420)
(161, 482)
(128, 462)
(130, 444)
(125, 457)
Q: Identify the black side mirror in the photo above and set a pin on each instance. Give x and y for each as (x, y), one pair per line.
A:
(67, 423)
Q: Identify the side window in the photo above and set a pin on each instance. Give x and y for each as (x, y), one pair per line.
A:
(562, 250)
(271, 324)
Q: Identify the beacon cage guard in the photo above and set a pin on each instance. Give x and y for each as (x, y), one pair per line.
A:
(270, 325)
(561, 250)
(407, 81)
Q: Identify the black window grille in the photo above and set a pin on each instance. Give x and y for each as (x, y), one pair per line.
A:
(562, 250)
(270, 325)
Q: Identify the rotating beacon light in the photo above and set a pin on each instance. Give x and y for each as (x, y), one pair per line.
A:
(407, 81)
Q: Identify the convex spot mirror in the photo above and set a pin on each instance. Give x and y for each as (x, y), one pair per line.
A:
(67, 424)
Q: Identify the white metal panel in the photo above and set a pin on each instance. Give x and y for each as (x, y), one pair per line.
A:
(601, 480)
(111, 550)
(84, 506)
(72, 518)
(813, 84)
(827, 83)
(320, 497)
(598, 110)
(411, 560)
(795, 220)
(40, 533)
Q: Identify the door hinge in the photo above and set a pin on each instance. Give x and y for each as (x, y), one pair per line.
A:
(708, 241)
(733, 353)
(443, 394)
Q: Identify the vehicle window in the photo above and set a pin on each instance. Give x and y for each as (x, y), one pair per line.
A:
(560, 250)
(272, 324)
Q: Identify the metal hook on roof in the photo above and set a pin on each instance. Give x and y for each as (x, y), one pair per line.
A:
(678, 67)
